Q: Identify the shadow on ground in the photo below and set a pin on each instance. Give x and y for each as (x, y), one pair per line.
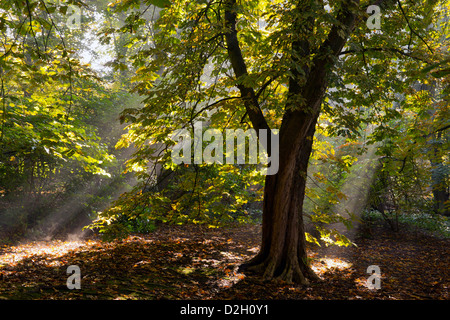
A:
(192, 262)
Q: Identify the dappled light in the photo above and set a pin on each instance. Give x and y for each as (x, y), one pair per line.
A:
(51, 250)
(156, 266)
(224, 150)
(330, 264)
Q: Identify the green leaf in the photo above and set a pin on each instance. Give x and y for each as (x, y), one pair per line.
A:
(160, 3)
(434, 65)
(312, 239)
(441, 73)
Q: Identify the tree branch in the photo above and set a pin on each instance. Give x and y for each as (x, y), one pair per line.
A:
(240, 69)
(30, 16)
(443, 128)
(410, 28)
(384, 49)
(213, 104)
(338, 35)
(330, 49)
(265, 85)
(368, 75)
(248, 95)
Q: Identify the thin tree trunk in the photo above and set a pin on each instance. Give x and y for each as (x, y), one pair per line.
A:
(438, 177)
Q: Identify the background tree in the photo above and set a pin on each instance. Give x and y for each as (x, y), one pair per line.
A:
(55, 153)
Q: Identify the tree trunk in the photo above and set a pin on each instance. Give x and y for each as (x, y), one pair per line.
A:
(283, 247)
(441, 197)
(439, 177)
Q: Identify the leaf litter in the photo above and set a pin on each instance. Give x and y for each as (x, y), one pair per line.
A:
(194, 262)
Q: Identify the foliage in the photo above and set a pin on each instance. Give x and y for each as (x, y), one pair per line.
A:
(413, 162)
(434, 224)
(388, 87)
(221, 197)
(182, 70)
(54, 154)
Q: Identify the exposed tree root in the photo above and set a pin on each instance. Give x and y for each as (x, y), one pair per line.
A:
(293, 271)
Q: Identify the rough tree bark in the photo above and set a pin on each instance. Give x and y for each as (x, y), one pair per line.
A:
(440, 194)
(283, 247)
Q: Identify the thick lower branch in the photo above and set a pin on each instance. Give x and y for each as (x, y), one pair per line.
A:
(240, 69)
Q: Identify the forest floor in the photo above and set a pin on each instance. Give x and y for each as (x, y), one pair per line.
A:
(193, 262)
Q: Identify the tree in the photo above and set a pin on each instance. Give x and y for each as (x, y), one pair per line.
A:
(283, 248)
(56, 153)
(414, 137)
(284, 55)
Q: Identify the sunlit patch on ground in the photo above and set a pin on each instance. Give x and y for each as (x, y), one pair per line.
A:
(11, 256)
(330, 264)
(165, 265)
(361, 283)
(231, 278)
(253, 250)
